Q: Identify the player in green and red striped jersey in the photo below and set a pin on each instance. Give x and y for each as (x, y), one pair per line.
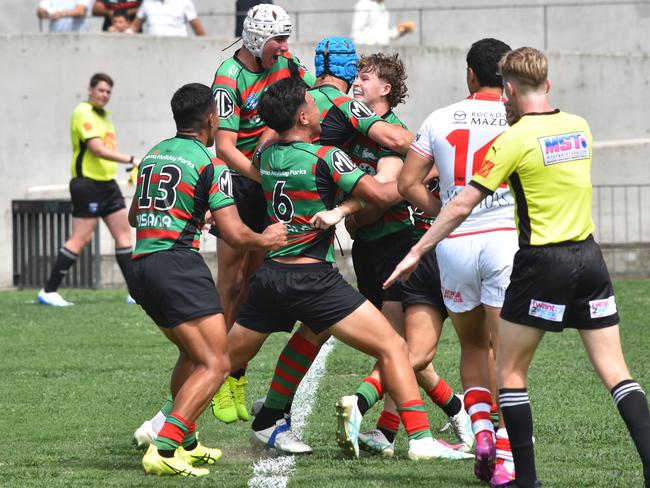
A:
(298, 281)
(238, 84)
(177, 183)
(382, 237)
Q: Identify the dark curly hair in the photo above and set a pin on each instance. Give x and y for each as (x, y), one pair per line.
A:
(390, 69)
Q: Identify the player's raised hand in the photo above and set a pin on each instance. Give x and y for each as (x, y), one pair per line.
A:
(276, 236)
(404, 269)
(326, 218)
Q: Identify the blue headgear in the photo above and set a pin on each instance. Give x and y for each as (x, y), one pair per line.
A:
(336, 56)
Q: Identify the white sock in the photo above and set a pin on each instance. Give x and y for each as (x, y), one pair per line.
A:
(157, 423)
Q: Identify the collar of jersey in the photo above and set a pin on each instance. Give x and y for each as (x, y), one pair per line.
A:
(245, 67)
(552, 112)
(486, 96)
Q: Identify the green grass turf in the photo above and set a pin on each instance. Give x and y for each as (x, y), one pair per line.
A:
(76, 382)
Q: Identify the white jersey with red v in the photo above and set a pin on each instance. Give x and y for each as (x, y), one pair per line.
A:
(457, 138)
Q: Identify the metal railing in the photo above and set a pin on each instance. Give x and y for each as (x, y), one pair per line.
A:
(297, 15)
(622, 217)
(40, 227)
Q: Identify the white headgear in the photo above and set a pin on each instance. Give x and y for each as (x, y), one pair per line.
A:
(263, 22)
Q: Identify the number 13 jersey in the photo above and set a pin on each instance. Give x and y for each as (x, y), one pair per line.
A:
(457, 138)
(178, 181)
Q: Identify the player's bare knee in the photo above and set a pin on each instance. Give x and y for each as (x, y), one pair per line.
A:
(420, 360)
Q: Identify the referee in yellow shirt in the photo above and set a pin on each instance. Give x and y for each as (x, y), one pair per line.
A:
(93, 189)
(559, 278)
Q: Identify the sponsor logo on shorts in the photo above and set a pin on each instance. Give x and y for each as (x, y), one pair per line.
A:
(93, 207)
(454, 296)
(602, 308)
(564, 147)
(224, 102)
(546, 310)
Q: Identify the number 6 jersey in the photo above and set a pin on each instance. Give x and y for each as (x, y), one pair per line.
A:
(457, 139)
(300, 179)
(178, 181)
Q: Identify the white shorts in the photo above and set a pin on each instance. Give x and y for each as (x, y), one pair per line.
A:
(475, 269)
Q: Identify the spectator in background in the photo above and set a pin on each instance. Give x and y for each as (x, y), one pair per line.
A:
(167, 18)
(108, 8)
(241, 9)
(120, 23)
(65, 15)
(371, 24)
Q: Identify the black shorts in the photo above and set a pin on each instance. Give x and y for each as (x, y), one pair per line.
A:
(374, 261)
(174, 286)
(93, 199)
(250, 202)
(560, 286)
(423, 287)
(280, 294)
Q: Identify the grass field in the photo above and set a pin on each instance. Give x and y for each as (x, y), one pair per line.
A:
(76, 382)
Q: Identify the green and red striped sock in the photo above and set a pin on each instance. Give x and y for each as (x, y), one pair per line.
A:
(414, 418)
(443, 396)
(388, 423)
(190, 441)
(293, 363)
(368, 393)
(171, 435)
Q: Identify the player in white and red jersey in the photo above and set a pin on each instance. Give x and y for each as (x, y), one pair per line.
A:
(476, 260)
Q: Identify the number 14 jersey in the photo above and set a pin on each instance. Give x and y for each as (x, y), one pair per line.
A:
(457, 139)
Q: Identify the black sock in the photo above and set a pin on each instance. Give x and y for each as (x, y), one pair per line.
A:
(453, 407)
(123, 257)
(64, 261)
(238, 374)
(518, 417)
(287, 408)
(267, 417)
(362, 403)
(192, 446)
(390, 436)
(633, 407)
(166, 453)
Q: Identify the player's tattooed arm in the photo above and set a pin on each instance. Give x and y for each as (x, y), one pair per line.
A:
(227, 150)
(412, 183)
(239, 235)
(392, 136)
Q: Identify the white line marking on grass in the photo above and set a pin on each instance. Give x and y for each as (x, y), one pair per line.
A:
(275, 472)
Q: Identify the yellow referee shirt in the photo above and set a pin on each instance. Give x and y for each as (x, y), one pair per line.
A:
(88, 123)
(546, 159)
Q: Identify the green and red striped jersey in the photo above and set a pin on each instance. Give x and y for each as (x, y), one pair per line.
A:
(237, 91)
(178, 181)
(366, 153)
(300, 179)
(421, 220)
(341, 117)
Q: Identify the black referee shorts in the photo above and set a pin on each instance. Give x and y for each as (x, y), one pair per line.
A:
(281, 294)
(94, 199)
(561, 286)
(174, 286)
